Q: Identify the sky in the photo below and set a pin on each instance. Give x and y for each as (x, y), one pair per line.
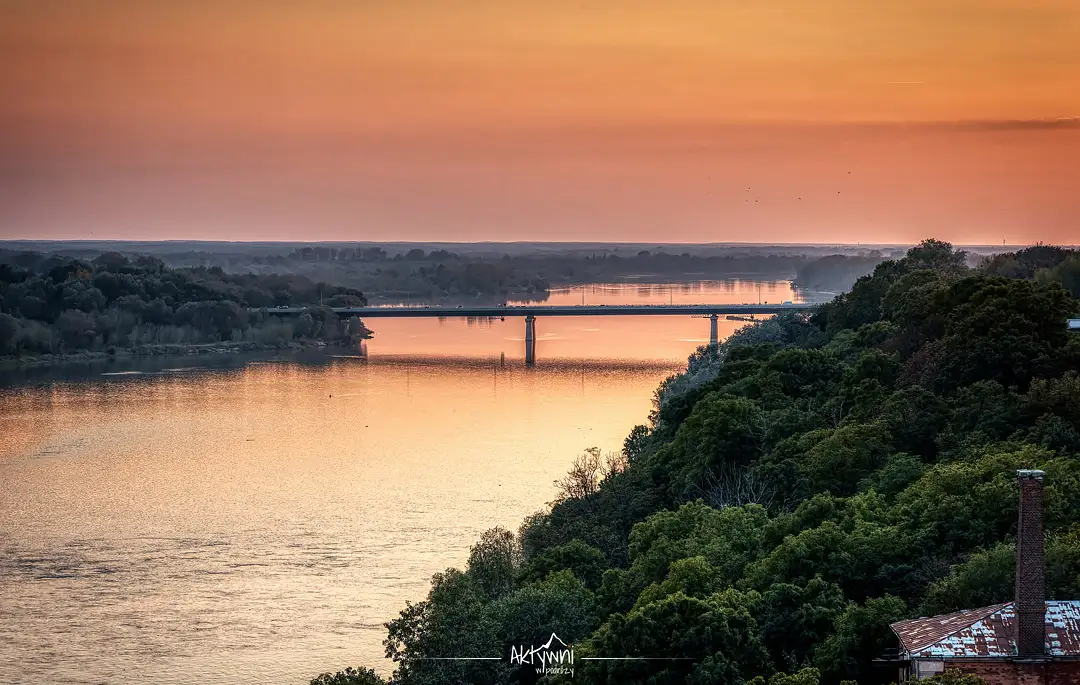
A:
(622, 120)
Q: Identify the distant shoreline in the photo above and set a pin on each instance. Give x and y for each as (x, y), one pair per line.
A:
(11, 362)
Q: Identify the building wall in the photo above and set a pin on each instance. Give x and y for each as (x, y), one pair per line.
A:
(1021, 673)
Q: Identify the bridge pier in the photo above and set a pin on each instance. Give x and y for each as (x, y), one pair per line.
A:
(714, 333)
(530, 340)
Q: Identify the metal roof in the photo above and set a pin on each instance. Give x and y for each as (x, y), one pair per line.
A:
(987, 632)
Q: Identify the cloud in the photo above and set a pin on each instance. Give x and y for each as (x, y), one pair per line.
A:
(1058, 123)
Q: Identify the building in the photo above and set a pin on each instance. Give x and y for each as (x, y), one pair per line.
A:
(1028, 641)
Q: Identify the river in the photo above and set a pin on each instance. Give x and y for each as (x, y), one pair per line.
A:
(256, 520)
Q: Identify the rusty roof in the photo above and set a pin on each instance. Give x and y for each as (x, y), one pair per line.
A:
(986, 632)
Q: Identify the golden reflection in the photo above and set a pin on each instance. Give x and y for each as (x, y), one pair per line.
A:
(263, 522)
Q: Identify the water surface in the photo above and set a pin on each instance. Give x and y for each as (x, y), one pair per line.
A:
(194, 520)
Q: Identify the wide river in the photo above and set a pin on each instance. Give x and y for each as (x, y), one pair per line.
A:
(214, 520)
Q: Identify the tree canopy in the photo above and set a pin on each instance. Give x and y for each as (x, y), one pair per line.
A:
(53, 304)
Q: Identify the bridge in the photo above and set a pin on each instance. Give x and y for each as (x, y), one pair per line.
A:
(530, 312)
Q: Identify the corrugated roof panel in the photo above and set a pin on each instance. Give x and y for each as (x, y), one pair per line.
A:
(987, 632)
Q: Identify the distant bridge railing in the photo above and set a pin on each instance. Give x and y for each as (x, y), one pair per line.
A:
(531, 312)
(552, 310)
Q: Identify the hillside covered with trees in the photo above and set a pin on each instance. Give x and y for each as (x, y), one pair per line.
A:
(795, 491)
(59, 305)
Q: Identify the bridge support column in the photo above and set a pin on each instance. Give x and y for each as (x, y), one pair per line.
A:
(714, 333)
(530, 340)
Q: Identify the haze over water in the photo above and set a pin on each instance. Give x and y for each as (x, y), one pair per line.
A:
(259, 523)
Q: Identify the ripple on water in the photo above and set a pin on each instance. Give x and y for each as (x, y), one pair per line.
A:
(163, 548)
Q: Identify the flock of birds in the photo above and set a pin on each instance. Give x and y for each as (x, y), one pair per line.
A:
(749, 189)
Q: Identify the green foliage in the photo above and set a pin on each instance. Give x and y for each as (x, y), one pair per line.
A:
(585, 561)
(712, 640)
(452, 622)
(1027, 263)
(693, 577)
(558, 604)
(806, 676)
(51, 304)
(728, 538)
(988, 576)
(794, 619)
(1008, 331)
(954, 676)
(493, 563)
(1066, 272)
(860, 634)
(844, 456)
(721, 430)
(350, 676)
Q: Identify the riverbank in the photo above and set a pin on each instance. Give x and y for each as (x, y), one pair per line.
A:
(161, 350)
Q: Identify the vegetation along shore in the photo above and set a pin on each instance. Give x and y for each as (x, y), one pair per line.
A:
(56, 308)
(796, 490)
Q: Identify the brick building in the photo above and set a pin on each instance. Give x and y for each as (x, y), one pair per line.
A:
(1028, 641)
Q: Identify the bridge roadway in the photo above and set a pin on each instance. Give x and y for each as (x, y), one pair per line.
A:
(552, 310)
(530, 312)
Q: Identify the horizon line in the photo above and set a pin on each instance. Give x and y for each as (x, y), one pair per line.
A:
(735, 243)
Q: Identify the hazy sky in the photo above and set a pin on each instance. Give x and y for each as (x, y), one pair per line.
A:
(635, 120)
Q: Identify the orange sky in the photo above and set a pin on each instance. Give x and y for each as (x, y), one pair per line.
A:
(633, 120)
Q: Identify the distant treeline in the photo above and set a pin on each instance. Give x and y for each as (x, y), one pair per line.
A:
(836, 273)
(51, 304)
(444, 274)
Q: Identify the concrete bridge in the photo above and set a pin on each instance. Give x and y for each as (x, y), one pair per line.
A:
(530, 312)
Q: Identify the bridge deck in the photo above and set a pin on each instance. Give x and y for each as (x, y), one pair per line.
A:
(553, 310)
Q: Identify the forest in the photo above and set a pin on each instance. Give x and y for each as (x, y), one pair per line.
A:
(796, 489)
(441, 274)
(59, 305)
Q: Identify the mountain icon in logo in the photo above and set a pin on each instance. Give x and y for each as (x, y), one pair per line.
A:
(554, 638)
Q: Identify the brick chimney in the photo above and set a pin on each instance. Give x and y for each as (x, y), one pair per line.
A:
(1030, 568)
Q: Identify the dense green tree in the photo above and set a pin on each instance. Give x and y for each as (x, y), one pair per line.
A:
(860, 635)
(528, 616)
(9, 334)
(586, 562)
(988, 576)
(1008, 331)
(692, 640)
(1066, 272)
(66, 305)
(914, 416)
(350, 676)
(494, 562)
(806, 676)
(842, 457)
(452, 622)
(720, 431)
(954, 676)
(728, 538)
(795, 619)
